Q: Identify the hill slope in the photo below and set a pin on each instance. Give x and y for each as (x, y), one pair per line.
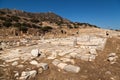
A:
(39, 22)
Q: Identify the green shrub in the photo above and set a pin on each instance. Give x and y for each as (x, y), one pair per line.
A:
(15, 18)
(7, 24)
(2, 18)
(23, 29)
(70, 27)
(34, 20)
(46, 28)
(1, 12)
(76, 27)
(17, 24)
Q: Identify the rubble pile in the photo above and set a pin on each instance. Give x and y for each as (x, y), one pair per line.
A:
(62, 53)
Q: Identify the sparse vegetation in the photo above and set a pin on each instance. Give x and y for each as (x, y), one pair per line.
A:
(15, 18)
(2, 12)
(2, 18)
(7, 24)
(23, 29)
(25, 20)
(46, 29)
(34, 20)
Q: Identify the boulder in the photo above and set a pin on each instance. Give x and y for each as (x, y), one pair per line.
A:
(40, 70)
(43, 65)
(92, 57)
(25, 75)
(53, 55)
(3, 45)
(11, 60)
(93, 51)
(20, 66)
(112, 57)
(67, 60)
(34, 62)
(85, 57)
(72, 68)
(61, 65)
(14, 63)
(73, 54)
(65, 52)
(35, 52)
(56, 62)
(16, 74)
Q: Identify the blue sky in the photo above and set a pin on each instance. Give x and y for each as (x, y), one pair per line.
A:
(103, 13)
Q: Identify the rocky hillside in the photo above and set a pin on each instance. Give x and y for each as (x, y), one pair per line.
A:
(21, 21)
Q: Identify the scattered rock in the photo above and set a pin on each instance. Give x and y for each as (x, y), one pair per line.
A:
(108, 73)
(3, 45)
(72, 68)
(16, 74)
(43, 65)
(56, 62)
(35, 53)
(2, 65)
(40, 70)
(112, 57)
(53, 56)
(73, 54)
(67, 60)
(93, 51)
(28, 75)
(11, 60)
(20, 66)
(61, 65)
(85, 57)
(66, 52)
(112, 54)
(92, 57)
(14, 63)
(34, 62)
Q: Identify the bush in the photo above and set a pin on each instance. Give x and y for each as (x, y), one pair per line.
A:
(23, 29)
(1, 12)
(7, 24)
(34, 20)
(46, 28)
(76, 27)
(15, 18)
(8, 20)
(70, 27)
(17, 24)
(2, 18)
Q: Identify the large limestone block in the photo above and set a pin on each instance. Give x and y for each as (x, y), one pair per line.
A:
(72, 68)
(61, 65)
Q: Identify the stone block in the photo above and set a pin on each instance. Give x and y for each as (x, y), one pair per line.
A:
(14, 63)
(56, 62)
(34, 62)
(43, 65)
(28, 75)
(61, 65)
(35, 52)
(72, 68)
